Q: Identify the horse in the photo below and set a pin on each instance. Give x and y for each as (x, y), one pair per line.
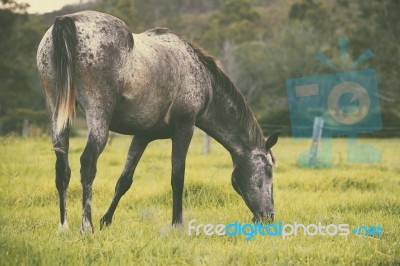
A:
(152, 85)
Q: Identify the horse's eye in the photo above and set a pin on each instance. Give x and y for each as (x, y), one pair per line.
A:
(268, 169)
(264, 160)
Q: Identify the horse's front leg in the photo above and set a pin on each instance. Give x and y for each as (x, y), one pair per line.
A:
(97, 139)
(180, 145)
(63, 173)
(136, 150)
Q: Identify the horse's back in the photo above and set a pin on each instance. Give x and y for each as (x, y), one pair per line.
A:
(101, 39)
(163, 79)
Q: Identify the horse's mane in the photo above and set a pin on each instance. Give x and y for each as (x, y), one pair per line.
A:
(222, 82)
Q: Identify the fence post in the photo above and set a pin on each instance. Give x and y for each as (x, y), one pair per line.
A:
(207, 142)
(25, 129)
(316, 137)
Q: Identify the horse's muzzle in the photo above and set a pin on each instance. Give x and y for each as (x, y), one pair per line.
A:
(264, 218)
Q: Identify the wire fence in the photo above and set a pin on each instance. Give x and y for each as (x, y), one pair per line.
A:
(28, 129)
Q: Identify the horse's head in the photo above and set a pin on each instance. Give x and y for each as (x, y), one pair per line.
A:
(252, 179)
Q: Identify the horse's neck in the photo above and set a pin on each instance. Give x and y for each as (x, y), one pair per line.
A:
(229, 121)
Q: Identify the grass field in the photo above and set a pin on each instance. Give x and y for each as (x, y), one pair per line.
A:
(355, 194)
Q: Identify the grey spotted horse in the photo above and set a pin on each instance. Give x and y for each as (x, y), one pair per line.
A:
(153, 85)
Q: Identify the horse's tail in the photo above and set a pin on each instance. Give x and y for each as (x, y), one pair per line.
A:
(64, 54)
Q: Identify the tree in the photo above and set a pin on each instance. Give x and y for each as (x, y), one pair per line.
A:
(13, 6)
(13, 81)
(236, 22)
(19, 81)
(379, 30)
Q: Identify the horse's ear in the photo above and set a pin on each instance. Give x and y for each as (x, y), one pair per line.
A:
(272, 140)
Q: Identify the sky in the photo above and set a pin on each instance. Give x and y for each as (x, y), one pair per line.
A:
(43, 6)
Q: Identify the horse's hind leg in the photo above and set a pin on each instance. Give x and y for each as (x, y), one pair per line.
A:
(63, 172)
(97, 139)
(136, 150)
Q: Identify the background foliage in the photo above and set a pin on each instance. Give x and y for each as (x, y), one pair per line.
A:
(260, 45)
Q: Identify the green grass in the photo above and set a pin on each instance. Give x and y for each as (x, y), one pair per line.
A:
(356, 194)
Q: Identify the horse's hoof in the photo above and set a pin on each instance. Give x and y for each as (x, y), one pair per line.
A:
(85, 231)
(104, 222)
(63, 227)
(86, 227)
(177, 224)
